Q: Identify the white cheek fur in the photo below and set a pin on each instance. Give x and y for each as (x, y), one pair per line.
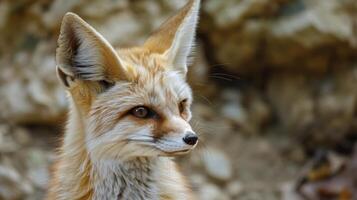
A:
(125, 140)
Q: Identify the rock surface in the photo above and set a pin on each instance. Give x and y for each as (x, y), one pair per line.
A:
(299, 35)
(217, 164)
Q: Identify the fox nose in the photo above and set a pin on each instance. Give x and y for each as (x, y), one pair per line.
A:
(190, 138)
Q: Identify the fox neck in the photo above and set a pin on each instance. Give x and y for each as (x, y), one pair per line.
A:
(104, 179)
(134, 179)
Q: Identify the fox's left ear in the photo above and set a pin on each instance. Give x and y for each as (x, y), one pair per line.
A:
(175, 38)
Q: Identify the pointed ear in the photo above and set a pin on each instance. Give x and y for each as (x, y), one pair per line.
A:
(84, 54)
(175, 38)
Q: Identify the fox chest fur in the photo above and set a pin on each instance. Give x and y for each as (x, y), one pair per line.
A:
(142, 179)
(133, 180)
(129, 112)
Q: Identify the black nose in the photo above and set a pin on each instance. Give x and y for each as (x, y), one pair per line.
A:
(190, 138)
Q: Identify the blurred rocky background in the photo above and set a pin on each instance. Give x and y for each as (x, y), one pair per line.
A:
(275, 85)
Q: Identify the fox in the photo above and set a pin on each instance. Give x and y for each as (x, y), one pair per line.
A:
(129, 112)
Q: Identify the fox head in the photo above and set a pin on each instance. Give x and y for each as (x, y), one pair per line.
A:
(131, 102)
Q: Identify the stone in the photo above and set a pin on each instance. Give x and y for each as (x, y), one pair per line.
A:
(198, 179)
(212, 192)
(234, 188)
(250, 36)
(38, 171)
(258, 111)
(33, 95)
(122, 29)
(232, 108)
(174, 4)
(234, 112)
(7, 143)
(12, 184)
(21, 136)
(288, 193)
(291, 98)
(230, 13)
(217, 164)
(315, 114)
(103, 8)
(58, 8)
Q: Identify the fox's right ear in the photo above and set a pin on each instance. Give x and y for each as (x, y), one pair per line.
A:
(82, 53)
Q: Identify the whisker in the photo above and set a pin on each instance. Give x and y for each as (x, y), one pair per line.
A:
(219, 65)
(226, 75)
(220, 78)
(205, 99)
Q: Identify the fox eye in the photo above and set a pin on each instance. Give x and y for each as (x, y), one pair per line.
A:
(142, 112)
(182, 105)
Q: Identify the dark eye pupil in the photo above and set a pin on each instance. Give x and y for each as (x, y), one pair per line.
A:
(140, 112)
